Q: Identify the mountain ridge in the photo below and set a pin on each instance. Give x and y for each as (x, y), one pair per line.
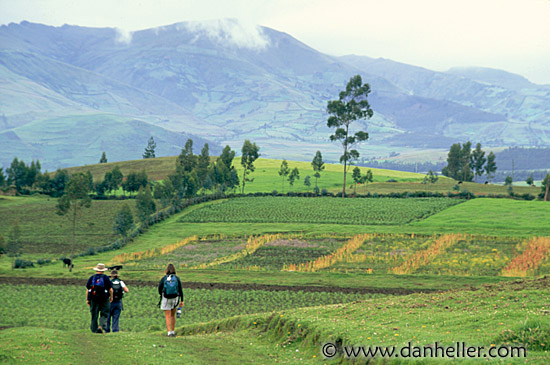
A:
(226, 82)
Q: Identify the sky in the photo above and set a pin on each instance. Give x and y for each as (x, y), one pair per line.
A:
(512, 35)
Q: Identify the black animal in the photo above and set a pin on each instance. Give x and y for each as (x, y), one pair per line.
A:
(460, 182)
(116, 267)
(486, 182)
(68, 263)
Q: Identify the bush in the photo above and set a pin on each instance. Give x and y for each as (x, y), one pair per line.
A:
(43, 261)
(21, 264)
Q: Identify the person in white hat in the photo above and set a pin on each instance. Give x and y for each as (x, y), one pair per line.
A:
(99, 295)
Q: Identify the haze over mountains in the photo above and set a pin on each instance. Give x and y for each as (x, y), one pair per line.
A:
(68, 93)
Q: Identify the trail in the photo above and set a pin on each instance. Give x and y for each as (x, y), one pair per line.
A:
(222, 286)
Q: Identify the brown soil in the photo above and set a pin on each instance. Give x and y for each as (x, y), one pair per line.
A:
(224, 286)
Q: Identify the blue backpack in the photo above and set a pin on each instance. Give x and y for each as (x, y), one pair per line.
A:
(170, 289)
(98, 292)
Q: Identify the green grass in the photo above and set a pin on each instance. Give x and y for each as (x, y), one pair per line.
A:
(40, 345)
(487, 317)
(492, 217)
(44, 234)
(320, 210)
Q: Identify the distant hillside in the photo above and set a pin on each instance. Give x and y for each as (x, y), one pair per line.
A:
(223, 82)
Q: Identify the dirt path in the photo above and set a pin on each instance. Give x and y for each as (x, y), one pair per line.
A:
(224, 286)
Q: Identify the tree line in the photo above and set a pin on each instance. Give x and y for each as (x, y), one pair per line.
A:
(465, 164)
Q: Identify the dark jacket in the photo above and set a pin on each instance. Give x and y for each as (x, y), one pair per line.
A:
(106, 281)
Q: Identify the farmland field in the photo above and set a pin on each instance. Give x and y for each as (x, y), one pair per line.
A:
(48, 235)
(280, 276)
(320, 210)
(141, 312)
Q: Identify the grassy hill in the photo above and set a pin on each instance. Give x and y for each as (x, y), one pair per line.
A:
(267, 179)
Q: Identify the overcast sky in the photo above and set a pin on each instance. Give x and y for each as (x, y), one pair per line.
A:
(513, 35)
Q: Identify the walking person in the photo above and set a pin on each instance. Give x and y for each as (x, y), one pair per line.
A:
(119, 288)
(99, 295)
(171, 297)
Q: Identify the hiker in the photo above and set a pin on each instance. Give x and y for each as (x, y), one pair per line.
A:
(171, 296)
(99, 295)
(119, 288)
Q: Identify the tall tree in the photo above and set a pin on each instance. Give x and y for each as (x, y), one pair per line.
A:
(293, 176)
(283, 173)
(223, 173)
(115, 180)
(546, 188)
(145, 205)
(479, 160)
(351, 106)
(187, 160)
(164, 191)
(454, 162)
(357, 178)
(3, 178)
(74, 199)
(124, 221)
(59, 182)
(185, 180)
(203, 162)
(466, 162)
(150, 149)
(491, 166)
(459, 162)
(17, 174)
(32, 173)
(307, 181)
(318, 165)
(250, 153)
(367, 178)
(103, 158)
(530, 180)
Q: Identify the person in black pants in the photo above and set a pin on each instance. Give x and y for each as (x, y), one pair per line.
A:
(99, 295)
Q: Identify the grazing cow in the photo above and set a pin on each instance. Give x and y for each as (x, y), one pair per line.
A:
(116, 267)
(68, 263)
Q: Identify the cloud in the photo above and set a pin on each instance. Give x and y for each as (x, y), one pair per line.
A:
(123, 36)
(230, 32)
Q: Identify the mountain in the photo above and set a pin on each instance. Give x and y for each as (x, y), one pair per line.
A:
(224, 82)
(518, 109)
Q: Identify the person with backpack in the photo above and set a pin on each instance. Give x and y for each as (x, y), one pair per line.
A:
(171, 297)
(99, 295)
(119, 288)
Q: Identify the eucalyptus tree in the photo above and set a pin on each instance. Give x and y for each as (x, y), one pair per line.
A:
(352, 105)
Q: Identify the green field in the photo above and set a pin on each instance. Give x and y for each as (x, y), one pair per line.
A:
(44, 234)
(319, 210)
(282, 276)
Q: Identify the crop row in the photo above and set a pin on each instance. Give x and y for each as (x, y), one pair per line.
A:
(449, 254)
(63, 307)
(319, 210)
